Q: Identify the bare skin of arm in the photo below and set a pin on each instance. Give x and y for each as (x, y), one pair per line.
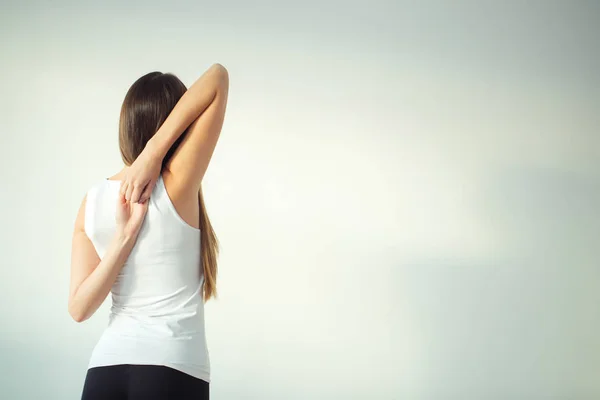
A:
(92, 278)
(201, 110)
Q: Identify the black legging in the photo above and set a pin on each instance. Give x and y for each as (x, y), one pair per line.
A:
(137, 382)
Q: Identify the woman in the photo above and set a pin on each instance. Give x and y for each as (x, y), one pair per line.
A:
(144, 235)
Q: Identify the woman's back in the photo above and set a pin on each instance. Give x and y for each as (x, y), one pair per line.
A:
(157, 313)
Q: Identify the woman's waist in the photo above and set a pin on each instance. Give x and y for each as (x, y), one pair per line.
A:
(141, 325)
(115, 347)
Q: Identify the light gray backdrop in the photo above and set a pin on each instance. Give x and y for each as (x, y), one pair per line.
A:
(406, 193)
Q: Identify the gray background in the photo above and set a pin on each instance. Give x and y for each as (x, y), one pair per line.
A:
(406, 193)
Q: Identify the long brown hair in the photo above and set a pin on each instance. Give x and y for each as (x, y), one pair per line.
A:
(147, 104)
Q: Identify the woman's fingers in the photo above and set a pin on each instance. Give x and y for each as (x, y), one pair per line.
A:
(129, 191)
(146, 195)
(138, 213)
(135, 194)
(123, 188)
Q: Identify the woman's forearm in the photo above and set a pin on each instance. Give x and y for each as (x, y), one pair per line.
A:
(93, 290)
(189, 107)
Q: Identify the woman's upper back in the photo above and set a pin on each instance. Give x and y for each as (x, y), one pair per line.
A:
(164, 267)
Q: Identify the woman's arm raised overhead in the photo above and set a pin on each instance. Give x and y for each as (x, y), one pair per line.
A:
(201, 110)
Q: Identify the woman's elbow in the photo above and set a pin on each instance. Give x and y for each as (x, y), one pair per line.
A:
(77, 314)
(220, 69)
(222, 75)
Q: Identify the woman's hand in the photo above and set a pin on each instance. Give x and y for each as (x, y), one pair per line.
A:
(141, 176)
(129, 216)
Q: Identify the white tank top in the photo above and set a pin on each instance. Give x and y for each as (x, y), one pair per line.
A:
(157, 313)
